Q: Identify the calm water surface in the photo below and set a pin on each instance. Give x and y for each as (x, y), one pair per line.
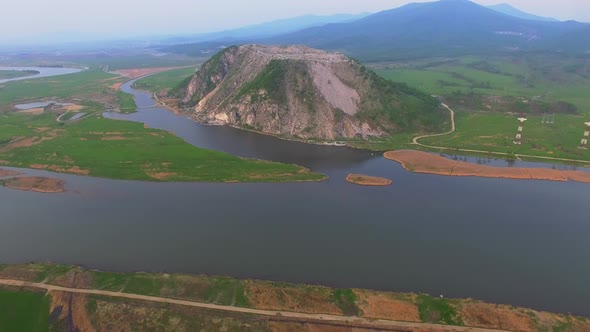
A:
(517, 242)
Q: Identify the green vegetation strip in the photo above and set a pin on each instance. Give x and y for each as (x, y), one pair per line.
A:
(346, 301)
(437, 310)
(23, 311)
(126, 150)
(171, 81)
(126, 102)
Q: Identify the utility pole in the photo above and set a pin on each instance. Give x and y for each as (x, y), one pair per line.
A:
(518, 140)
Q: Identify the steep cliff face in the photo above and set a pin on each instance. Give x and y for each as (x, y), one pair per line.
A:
(305, 93)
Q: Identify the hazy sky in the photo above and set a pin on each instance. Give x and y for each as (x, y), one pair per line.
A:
(25, 18)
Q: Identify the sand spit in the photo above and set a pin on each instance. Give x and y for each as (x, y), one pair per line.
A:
(366, 180)
(429, 163)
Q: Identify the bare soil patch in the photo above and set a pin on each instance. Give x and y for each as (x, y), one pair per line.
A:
(160, 175)
(5, 173)
(116, 86)
(496, 317)
(73, 108)
(32, 111)
(73, 308)
(114, 138)
(308, 299)
(30, 141)
(366, 180)
(36, 184)
(428, 163)
(21, 272)
(387, 306)
(139, 72)
(73, 170)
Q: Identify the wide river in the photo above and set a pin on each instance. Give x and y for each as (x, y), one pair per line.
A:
(517, 242)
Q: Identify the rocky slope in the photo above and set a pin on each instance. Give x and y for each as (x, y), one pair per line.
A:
(304, 93)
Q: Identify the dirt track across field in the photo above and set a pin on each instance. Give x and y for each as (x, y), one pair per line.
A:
(343, 321)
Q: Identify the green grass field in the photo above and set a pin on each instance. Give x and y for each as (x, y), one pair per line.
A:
(127, 150)
(546, 78)
(496, 132)
(166, 81)
(23, 311)
(483, 125)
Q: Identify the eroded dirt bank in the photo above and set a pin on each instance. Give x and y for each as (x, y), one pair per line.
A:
(429, 163)
(36, 184)
(366, 180)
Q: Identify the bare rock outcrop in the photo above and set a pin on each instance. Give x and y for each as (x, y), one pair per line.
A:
(299, 92)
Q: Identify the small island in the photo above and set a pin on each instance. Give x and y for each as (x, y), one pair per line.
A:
(35, 184)
(429, 163)
(366, 180)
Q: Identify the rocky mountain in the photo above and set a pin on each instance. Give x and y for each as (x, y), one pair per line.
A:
(299, 92)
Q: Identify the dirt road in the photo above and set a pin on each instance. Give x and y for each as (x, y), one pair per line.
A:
(453, 128)
(334, 320)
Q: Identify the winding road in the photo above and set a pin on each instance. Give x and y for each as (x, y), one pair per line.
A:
(333, 320)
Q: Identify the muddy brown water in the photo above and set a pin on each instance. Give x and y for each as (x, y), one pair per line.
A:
(523, 243)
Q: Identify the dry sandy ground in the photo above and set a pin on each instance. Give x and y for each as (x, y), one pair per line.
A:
(365, 180)
(36, 184)
(139, 72)
(429, 163)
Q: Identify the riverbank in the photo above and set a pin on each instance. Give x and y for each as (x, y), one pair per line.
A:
(429, 163)
(366, 180)
(90, 298)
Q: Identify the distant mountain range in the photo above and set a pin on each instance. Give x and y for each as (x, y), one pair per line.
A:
(442, 28)
(268, 29)
(510, 10)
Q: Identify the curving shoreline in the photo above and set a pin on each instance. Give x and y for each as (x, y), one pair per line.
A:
(428, 163)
